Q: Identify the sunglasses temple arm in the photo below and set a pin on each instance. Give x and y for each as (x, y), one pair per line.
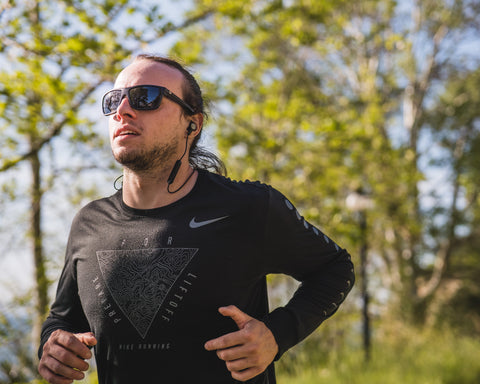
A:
(175, 98)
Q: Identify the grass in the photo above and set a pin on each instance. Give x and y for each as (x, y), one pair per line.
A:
(432, 357)
(398, 356)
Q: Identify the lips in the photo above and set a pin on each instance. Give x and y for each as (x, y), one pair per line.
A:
(127, 131)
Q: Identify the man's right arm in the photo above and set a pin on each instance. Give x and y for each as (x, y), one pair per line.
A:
(65, 337)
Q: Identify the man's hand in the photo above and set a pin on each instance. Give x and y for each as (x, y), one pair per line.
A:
(248, 351)
(64, 355)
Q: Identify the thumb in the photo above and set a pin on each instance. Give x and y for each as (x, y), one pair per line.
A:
(240, 318)
(87, 338)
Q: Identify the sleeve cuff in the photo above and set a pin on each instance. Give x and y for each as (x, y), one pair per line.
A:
(283, 326)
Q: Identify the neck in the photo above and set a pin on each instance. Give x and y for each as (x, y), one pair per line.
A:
(147, 190)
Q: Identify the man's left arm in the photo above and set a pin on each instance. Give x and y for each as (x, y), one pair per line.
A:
(294, 247)
(297, 248)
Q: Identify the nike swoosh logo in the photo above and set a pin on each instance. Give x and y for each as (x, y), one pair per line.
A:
(198, 224)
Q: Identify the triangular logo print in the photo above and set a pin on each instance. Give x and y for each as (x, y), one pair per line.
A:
(140, 279)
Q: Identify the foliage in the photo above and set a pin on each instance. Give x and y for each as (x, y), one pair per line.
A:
(401, 355)
(55, 58)
(42, 90)
(338, 98)
(16, 364)
(319, 99)
(455, 120)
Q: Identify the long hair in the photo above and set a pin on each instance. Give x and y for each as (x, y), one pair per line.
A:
(199, 157)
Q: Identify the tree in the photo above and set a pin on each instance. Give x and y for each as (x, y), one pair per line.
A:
(328, 97)
(456, 121)
(56, 56)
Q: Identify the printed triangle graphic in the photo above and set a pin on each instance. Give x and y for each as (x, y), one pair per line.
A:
(140, 279)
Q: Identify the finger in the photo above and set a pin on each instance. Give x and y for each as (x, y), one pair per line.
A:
(74, 344)
(246, 374)
(234, 353)
(226, 341)
(86, 338)
(63, 355)
(54, 351)
(60, 369)
(239, 365)
(52, 377)
(240, 318)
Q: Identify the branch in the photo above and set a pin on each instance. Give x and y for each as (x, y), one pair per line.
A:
(9, 42)
(4, 8)
(170, 27)
(445, 251)
(430, 70)
(54, 131)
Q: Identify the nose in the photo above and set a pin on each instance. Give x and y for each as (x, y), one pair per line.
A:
(124, 108)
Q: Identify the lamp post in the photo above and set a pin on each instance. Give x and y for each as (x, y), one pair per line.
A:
(360, 203)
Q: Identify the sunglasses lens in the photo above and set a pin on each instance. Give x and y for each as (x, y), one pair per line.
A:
(142, 97)
(145, 97)
(111, 101)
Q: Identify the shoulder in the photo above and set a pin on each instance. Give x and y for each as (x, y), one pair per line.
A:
(214, 183)
(250, 189)
(99, 207)
(259, 197)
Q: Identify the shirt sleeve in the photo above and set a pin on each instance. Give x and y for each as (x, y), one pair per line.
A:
(297, 248)
(66, 312)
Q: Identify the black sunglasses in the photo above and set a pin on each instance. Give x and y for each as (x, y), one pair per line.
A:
(141, 98)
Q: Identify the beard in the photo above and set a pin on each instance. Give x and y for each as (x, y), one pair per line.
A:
(148, 159)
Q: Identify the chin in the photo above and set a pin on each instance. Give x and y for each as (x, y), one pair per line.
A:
(125, 157)
(135, 161)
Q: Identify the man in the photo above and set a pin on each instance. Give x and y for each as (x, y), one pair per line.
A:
(166, 279)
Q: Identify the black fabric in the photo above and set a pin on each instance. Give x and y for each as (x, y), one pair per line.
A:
(148, 283)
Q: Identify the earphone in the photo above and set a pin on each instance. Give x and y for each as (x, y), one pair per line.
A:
(191, 128)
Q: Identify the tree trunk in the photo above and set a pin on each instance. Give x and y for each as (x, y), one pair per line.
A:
(41, 282)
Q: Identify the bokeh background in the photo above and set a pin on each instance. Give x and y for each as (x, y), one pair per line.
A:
(366, 114)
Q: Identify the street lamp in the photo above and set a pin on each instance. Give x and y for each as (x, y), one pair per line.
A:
(359, 202)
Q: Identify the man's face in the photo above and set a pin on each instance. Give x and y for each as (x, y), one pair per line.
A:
(148, 140)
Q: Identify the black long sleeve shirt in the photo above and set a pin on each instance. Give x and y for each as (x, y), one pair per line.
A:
(148, 283)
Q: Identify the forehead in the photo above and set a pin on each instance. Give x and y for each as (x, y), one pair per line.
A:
(143, 72)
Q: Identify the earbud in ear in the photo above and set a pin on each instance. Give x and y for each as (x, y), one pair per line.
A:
(192, 127)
